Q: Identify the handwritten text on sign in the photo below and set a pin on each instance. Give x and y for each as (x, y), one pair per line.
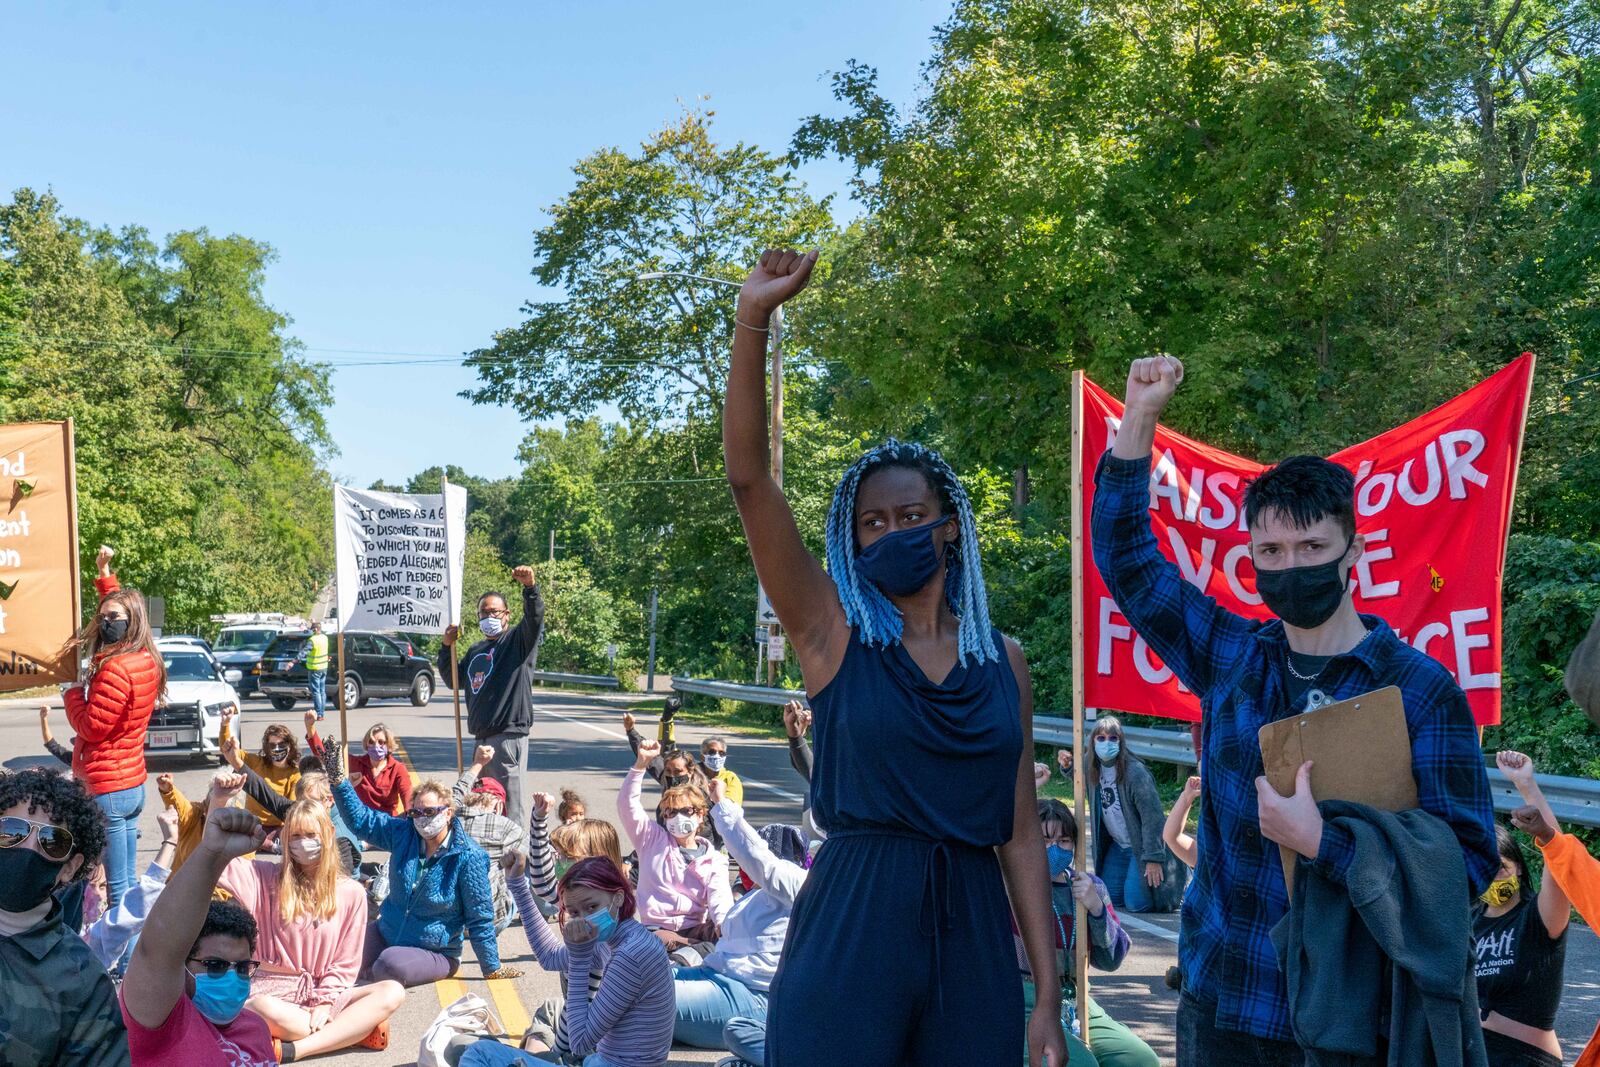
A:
(396, 564)
(1433, 500)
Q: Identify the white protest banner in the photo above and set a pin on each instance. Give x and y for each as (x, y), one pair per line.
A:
(397, 560)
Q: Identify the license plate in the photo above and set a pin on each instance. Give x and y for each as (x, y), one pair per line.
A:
(162, 739)
(285, 664)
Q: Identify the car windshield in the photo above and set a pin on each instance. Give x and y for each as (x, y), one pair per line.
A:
(244, 640)
(188, 667)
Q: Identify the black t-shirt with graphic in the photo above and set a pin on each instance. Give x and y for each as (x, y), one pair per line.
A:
(1307, 693)
(1519, 965)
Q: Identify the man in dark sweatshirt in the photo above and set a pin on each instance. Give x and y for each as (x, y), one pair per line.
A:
(494, 677)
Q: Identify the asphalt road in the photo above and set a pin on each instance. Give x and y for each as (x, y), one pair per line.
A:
(578, 743)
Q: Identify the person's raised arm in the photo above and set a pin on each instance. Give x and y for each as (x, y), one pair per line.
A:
(1173, 833)
(155, 978)
(257, 789)
(482, 756)
(779, 877)
(1555, 907)
(802, 593)
(524, 637)
(1027, 879)
(630, 809)
(796, 721)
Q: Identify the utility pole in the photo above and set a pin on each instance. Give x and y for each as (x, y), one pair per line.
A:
(552, 544)
(775, 336)
(650, 662)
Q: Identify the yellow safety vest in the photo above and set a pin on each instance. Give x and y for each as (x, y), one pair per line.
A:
(317, 653)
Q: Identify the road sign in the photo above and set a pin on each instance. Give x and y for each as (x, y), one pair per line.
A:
(775, 648)
(764, 613)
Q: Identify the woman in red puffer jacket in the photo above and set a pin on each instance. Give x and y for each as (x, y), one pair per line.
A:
(120, 679)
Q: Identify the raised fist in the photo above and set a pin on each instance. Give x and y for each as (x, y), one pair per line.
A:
(231, 833)
(796, 718)
(1531, 821)
(482, 756)
(648, 750)
(1515, 766)
(1041, 776)
(168, 822)
(1192, 786)
(164, 782)
(775, 279)
(627, 722)
(717, 790)
(542, 803)
(524, 575)
(1151, 383)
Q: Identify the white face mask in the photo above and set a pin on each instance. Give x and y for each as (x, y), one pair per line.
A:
(682, 825)
(306, 850)
(491, 626)
(432, 827)
(715, 763)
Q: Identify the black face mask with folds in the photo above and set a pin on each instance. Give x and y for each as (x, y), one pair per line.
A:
(113, 630)
(1305, 597)
(26, 879)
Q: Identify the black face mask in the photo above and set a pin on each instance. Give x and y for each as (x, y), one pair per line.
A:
(1305, 597)
(672, 781)
(113, 630)
(26, 879)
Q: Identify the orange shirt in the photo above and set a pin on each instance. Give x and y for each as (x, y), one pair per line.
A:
(1578, 875)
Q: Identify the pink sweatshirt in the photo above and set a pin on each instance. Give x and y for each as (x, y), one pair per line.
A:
(673, 892)
(306, 962)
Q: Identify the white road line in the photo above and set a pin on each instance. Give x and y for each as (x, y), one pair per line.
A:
(784, 793)
(1148, 927)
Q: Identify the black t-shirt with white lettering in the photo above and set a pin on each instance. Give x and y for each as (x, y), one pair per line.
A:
(1519, 965)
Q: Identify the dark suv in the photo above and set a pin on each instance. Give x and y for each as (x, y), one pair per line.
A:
(375, 665)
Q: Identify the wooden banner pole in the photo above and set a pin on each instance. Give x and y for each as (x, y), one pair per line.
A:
(344, 717)
(1082, 860)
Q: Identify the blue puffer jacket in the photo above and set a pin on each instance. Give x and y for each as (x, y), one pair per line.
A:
(432, 902)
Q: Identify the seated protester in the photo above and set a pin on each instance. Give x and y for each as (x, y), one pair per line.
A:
(278, 763)
(628, 1022)
(683, 882)
(796, 721)
(479, 804)
(1177, 838)
(1521, 942)
(313, 784)
(1114, 1044)
(1127, 821)
(57, 1004)
(183, 1000)
(110, 935)
(417, 935)
(572, 808)
(714, 758)
(734, 979)
(382, 782)
(550, 853)
(51, 745)
(227, 791)
(311, 923)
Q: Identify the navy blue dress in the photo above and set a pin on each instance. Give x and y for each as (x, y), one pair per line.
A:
(899, 949)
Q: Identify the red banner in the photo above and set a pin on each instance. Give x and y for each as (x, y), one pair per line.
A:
(1433, 498)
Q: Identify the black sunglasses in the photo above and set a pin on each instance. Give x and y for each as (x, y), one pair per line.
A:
(427, 813)
(680, 811)
(55, 842)
(216, 968)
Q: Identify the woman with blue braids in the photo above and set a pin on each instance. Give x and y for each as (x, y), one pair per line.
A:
(899, 948)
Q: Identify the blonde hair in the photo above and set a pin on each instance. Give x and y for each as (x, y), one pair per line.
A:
(589, 837)
(683, 795)
(308, 894)
(313, 785)
(438, 790)
(375, 729)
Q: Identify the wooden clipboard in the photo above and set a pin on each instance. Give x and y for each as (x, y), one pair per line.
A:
(1360, 750)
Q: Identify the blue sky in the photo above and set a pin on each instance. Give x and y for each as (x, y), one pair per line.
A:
(399, 155)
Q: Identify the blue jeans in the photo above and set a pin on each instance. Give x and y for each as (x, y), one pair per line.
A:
(707, 1000)
(491, 1053)
(747, 1039)
(122, 810)
(319, 691)
(1124, 878)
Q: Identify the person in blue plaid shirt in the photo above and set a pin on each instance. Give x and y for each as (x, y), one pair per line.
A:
(1303, 542)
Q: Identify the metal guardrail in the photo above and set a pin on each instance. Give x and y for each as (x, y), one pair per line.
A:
(1574, 800)
(601, 681)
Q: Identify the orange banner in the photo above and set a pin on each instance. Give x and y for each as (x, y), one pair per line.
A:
(39, 598)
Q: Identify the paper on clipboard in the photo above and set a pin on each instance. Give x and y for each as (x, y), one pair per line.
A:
(1360, 749)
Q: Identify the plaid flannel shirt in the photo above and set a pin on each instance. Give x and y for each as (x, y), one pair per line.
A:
(1238, 668)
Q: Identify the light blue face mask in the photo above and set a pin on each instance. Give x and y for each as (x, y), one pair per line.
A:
(715, 763)
(1060, 860)
(221, 999)
(1107, 750)
(604, 923)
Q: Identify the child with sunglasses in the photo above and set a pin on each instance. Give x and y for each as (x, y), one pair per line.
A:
(439, 886)
(57, 1005)
(684, 893)
(183, 1000)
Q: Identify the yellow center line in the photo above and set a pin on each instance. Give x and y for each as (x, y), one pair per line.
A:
(450, 990)
(512, 1014)
(403, 756)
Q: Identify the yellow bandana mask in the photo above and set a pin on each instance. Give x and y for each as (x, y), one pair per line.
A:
(1501, 891)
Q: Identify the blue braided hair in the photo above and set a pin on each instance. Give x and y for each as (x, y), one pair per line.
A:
(865, 606)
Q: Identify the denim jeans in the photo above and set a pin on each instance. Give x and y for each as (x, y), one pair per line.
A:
(1124, 878)
(319, 691)
(122, 810)
(1202, 1043)
(491, 1053)
(707, 1000)
(747, 1039)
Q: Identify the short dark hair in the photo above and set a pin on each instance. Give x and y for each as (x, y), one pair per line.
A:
(494, 593)
(228, 918)
(1052, 810)
(1304, 489)
(66, 803)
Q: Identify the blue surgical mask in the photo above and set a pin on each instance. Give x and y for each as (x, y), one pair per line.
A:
(1107, 750)
(221, 999)
(1060, 860)
(903, 562)
(491, 625)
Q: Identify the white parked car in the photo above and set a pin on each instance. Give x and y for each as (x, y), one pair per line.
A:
(189, 719)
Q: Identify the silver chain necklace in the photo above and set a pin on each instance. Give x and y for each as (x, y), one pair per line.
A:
(1289, 659)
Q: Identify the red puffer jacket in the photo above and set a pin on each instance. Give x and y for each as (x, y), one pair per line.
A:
(111, 719)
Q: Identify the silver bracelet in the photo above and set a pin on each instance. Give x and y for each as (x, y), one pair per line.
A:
(746, 325)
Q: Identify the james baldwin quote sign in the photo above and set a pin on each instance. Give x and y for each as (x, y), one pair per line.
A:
(399, 558)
